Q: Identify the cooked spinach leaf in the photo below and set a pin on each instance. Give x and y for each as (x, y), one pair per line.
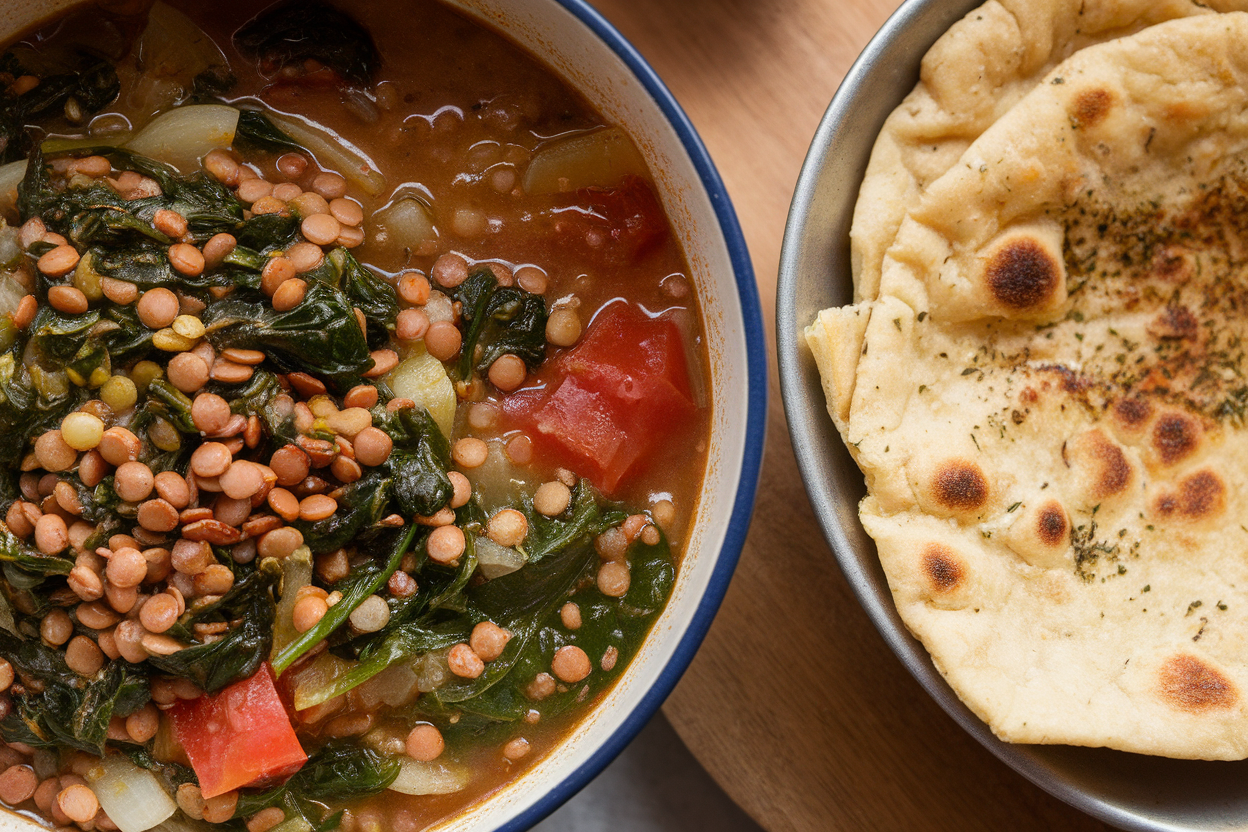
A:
(29, 559)
(238, 654)
(360, 505)
(62, 708)
(358, 586)
(337, 772)
(365, 290)
(418, 462)
(501, 320)
(90, 83)
(293, 32)
(319, 336)
(255, 130)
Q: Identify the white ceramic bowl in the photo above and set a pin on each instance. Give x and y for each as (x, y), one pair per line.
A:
(1129, 790)
(582, 47)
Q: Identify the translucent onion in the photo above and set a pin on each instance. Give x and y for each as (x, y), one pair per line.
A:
(495, 561)
(132, 796)
(11, 176)
(422, 378)
(436, 777)
(296, 574)
(589, 160)
(174, 51)
(333, 152)
(181, 137)
(406, 221)
(498, 482)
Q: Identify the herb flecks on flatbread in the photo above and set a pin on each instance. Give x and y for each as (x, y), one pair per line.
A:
(1047, 397)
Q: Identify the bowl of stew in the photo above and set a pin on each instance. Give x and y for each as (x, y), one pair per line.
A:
(384, 386)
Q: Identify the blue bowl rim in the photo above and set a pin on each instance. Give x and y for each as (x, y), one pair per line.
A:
(751, 463)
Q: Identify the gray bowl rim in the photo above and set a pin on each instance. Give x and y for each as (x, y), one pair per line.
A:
(1131, 791)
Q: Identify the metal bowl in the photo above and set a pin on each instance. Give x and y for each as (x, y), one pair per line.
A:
(1131, 791)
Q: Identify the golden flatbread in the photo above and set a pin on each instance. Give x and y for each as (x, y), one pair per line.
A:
(1048, 395)
(971, 77)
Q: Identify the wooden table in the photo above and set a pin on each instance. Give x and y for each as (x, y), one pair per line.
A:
(794, 703)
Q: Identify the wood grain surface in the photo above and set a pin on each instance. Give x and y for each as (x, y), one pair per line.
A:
(794, 703)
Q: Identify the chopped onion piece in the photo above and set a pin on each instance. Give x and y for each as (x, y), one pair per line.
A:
(422, 378)
(181, 137)
(132, 796)
(296, 574)
(589, 160)
(333, 152)
(495, 561)
(11, 175)
(436, 777)
(406, 221)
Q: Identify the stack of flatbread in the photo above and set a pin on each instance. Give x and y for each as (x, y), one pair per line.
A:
(1044, 376)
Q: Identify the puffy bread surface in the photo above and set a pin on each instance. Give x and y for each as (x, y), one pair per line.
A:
(1048, 397)
(971, 77)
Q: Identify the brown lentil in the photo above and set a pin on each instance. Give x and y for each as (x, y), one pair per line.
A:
(169, 223)
(280, 543)
(414, 288)
(210, 412)
(613, 579)
(329, 185)
(443, 340)
(449, 270)
(157, 308)
(570, 664)
(464, 663)
(133, 481)
(425, 743)
(470, 452)
(290, 294)
(67, 299)
(59, 261)
(445, 544)
(83, 656)
(321, 229)
(488, 640)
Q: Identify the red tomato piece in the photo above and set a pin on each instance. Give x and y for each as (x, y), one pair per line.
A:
(614, 225)
(238, 736)
(613, 400)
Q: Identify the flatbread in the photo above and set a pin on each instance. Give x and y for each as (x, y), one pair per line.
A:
(974, 74)
(1048, 401)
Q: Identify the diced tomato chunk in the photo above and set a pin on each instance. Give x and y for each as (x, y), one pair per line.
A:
(613, 400)
(239, 736)
(612, 225)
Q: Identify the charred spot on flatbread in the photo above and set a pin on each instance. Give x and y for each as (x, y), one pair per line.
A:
(1099, 464)
(943, 570)
(1090, 106)
(960, 486)
(1022, 274)
(1198, 496)
(1174, 322)
(1173, 264)
(1052, 525)
(1130, 415)
(1041, 534)
(1175, 437)
(1186, 683)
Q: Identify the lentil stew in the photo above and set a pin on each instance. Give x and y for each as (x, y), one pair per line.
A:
(359, 393)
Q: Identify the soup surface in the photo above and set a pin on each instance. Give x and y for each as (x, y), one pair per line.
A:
(358, 398)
